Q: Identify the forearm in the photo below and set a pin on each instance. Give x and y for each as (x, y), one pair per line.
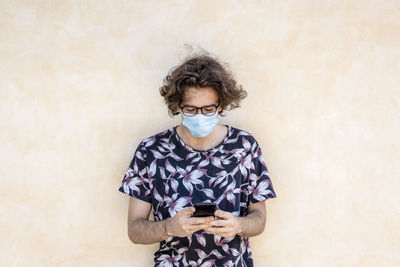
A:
(253, 224)
(141, 231)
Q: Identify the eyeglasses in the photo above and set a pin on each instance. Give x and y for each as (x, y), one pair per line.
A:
(207, 110)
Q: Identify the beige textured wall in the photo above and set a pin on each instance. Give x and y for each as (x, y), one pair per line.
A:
(79, 89)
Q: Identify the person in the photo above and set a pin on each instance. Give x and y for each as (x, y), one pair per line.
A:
(198, 161)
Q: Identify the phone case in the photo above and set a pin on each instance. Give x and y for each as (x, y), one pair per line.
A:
(204, 210)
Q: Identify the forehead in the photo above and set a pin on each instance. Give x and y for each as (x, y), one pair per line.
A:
(199, 96)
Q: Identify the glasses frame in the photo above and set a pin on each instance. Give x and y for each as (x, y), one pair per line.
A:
(201, 109)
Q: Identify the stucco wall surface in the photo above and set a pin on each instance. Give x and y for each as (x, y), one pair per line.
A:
(79, 89)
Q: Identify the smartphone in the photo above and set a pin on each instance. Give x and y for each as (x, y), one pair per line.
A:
(204, 210)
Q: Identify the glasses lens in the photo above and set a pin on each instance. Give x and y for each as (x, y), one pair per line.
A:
(209, 111)
(189, 111)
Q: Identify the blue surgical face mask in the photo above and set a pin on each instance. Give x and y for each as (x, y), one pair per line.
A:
(200, 125)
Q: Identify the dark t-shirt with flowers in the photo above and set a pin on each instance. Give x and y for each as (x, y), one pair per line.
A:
(171, 175)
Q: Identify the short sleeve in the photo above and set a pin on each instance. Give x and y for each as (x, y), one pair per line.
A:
(136, 182)
(260, 185)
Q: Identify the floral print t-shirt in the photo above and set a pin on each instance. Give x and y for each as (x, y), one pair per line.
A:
(171, 175)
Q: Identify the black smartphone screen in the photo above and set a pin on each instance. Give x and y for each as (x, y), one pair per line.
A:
(204, 210)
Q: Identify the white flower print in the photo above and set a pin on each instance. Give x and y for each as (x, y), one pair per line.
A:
(213, 160)
(190, 177)
(260, 191)
(229, 193)
(170, 176)
(175, 204)
(168, 261)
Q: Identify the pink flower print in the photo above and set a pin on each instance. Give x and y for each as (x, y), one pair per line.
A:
(261, 190)
(170, 168)
(152, 169)
(133, 178)
(232, 176)
(244, 164)
(209, 193)
(174, 204)
(237, 136)
(169, 179)
(230, 190)
(149, 141)
(202, 256)
(218, 178)
(168, 261)
(211, 159)
(222, 242)
(140, 156)
(201, 239)
(254, 177)
(217, 254)
(130, 183)
(190, 178)
(168, 149)
(260, 157)
(208, 263)
(157, 196)
(191, 155)
(234, 252)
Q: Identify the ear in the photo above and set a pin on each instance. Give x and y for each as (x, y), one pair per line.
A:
(219, 105)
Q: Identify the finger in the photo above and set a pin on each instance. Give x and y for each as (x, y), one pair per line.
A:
(197, 227)
(221, 223)
(200, 220)
(187, 211)
(223, 214)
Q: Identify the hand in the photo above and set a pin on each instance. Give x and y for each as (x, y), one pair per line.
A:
(182, 225)
(227, 225)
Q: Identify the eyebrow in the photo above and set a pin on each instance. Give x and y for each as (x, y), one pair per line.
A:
(214, 103)
(182, 105)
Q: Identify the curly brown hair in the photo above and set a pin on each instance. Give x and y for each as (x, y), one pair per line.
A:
(201, 71)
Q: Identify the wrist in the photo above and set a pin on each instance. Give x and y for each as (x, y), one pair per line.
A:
(239, 225)
(166, 228)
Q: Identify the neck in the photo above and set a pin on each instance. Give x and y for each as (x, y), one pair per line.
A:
(196, 142)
